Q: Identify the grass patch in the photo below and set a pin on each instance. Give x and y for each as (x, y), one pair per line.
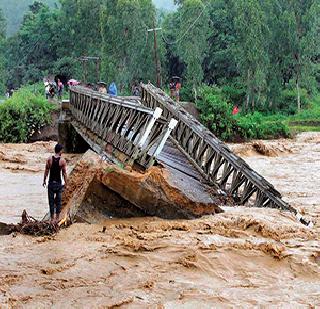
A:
(300, 129)
(307, 120)
(262, 126)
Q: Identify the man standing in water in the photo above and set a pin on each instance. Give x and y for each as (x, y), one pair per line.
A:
(55, 165)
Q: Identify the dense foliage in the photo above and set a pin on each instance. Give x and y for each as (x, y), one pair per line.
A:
(51, 40)
(23, 114)
(259, 47)
(14, 10)
(2, 53)
(263, 56)
(216, 114)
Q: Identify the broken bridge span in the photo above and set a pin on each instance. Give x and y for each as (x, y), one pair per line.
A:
(154, 129)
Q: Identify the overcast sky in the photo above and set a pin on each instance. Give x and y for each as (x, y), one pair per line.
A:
(164, 4)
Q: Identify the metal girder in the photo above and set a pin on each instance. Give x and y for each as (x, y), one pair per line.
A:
(129, 127)
(212, 158)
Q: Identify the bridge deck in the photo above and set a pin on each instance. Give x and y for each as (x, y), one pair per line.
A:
(174, 159)
(185, 176)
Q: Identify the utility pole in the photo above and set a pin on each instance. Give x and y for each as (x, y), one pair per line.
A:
(156, 59)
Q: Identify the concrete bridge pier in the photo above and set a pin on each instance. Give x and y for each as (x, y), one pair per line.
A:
(67, 135)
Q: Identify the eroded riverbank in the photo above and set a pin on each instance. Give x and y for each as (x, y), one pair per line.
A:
(243, 257)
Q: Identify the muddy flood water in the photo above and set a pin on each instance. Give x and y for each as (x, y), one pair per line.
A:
(245, 257)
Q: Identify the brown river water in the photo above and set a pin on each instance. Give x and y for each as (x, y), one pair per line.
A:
(245, 257)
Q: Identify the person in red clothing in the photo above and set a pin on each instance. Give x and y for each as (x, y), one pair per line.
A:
(178, 87)
(172, 88)
(235, 110)
(60, 89)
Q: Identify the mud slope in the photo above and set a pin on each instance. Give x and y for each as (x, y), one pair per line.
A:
(95, 184)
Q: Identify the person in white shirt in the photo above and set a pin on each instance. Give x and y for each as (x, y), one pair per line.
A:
(47, 89)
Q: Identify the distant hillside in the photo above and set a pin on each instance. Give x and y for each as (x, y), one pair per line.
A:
(14, 11)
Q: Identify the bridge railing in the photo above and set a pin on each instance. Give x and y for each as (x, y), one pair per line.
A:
(129, 128)
(213, 159)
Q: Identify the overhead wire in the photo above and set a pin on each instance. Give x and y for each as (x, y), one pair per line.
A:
(186, 32)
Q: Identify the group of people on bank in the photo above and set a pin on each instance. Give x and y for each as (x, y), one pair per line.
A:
(112, 89)
(53, 88)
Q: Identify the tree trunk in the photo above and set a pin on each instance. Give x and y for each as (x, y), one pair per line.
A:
(298, 95)
(248, 90)
(247, 102)
(259, 96)
(195, 93)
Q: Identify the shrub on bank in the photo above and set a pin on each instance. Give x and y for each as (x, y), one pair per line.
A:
(310, 114)
(287, 102)
(216, 114)
(22, 115)
(256, 126)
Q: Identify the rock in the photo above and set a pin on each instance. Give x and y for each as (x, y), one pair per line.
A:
(263, 149)
(5, 229)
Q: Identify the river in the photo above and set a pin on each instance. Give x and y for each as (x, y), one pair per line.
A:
(242, 258)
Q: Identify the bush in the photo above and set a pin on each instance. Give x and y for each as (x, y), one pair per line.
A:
(37, 89)
(186, 93)
(216, 112)
(257, 126)
(22, 115)
(287, 103)
(234, 94)
(310, 114)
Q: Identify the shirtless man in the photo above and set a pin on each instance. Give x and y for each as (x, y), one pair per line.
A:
(55, 165)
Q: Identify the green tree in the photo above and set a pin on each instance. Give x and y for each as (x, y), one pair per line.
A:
(192, 39)
(2, 53)
(79, 28)
(220, 64)
(251, 48)
(302, 33)
(126, 46)
(31, 53)
(79, 35)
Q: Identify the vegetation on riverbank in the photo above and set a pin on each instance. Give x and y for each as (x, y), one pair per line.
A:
(307, 120)
(25, 113)
(262, 56)
(216, 113)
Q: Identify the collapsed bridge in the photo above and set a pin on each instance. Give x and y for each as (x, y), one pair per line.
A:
(153, 129)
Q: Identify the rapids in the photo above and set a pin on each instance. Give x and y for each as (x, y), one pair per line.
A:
(242, 258)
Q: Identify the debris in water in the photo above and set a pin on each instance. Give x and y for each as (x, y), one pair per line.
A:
(30, 226)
